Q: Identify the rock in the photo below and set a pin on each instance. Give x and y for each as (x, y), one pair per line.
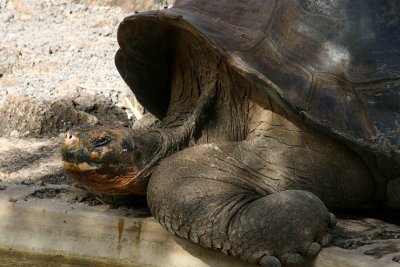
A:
(396, 258)
(367, 236)
(24, 116)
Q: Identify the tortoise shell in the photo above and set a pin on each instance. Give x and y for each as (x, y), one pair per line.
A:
(335, 63)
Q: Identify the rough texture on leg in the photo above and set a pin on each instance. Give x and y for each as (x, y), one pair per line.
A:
(190, 200)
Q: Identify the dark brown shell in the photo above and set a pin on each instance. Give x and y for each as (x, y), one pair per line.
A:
(334, 62)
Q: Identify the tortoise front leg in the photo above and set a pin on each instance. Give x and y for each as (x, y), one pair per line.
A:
(196, 197)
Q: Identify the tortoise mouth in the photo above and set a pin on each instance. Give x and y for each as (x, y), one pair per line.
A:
(83, 166)
(98, 160)
(84, 160)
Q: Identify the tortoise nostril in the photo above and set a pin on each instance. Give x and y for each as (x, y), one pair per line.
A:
(68, 136)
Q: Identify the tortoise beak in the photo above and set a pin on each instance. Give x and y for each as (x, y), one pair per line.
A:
(71, 149)
(69, 137)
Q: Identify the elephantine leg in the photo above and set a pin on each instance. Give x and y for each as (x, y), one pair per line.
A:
(198, 197)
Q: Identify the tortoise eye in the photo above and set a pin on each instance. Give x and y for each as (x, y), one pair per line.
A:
(100, 142)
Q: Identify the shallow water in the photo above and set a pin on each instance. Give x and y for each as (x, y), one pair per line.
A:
(13, 258)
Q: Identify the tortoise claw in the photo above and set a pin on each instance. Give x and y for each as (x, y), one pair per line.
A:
(326, 240)
(270, 261)
(314, 249)
(294, 259)
(332, 220)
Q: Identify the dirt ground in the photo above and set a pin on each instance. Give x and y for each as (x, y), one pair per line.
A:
(54, 48)
(57, 71)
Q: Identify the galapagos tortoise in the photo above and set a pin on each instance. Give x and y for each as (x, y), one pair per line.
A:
(272, 113)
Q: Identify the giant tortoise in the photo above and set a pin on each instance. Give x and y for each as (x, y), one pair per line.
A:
(272, 113)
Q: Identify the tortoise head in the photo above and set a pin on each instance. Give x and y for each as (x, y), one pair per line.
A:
(111, 161)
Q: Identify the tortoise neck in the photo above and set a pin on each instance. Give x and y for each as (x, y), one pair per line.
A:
(178, 135)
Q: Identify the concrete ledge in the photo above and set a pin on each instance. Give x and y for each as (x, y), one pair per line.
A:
(97, 233)
(123, 236)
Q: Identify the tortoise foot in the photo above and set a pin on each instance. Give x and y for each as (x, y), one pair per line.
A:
(300, 228)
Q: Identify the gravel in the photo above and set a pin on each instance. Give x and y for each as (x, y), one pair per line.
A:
(55, 48)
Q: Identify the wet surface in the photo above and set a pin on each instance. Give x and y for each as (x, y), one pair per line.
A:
(14, 258)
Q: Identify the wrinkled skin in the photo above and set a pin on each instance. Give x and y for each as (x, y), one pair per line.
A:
(233, 166)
